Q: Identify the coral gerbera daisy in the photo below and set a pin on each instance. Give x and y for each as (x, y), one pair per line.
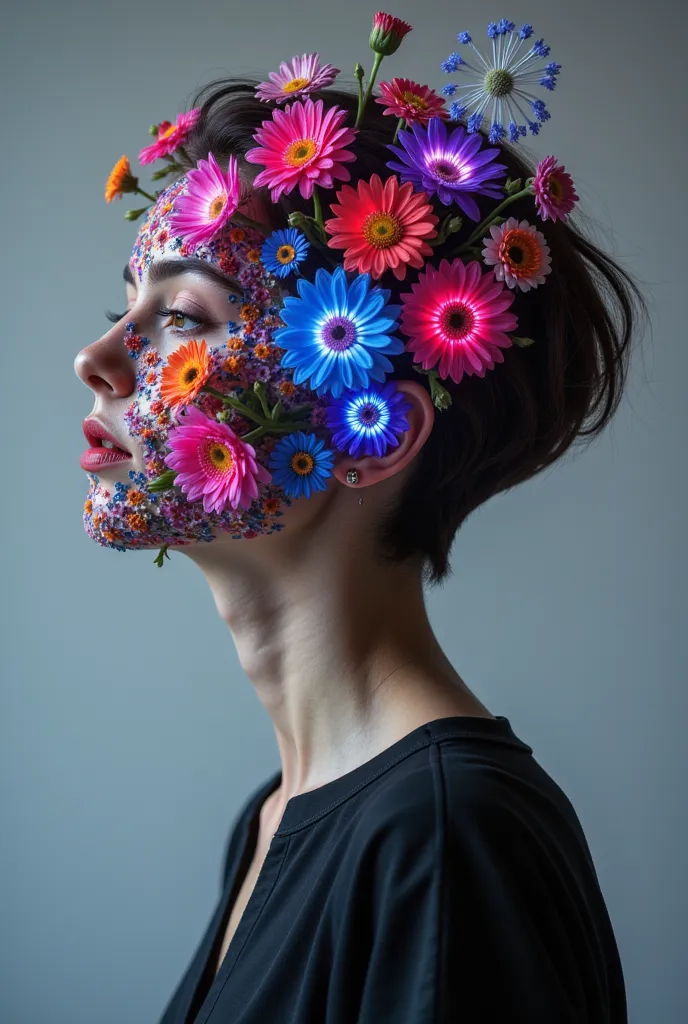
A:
(555, 194)
(187, 370)
(302, 76)
(519, 254)
(457, 317)
(120, 180)
(283, 251)
(338, 335)
(302, 145)
(301, 464)
(210, 199)
(213, 463)
(170, 136)
(382, 226)
(370, 421)
(403, 98)
(448, 164)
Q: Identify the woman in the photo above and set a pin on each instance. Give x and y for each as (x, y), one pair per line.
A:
(411, 862)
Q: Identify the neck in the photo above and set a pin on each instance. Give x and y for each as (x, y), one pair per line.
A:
(337, 646)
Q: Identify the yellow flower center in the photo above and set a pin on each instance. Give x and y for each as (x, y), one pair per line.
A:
(415, 101)
(285, 254)
(217, 206)
(167, 132)
(300, 152)
(220, 457)
(381, 229)
(302, 463)
(294, 84)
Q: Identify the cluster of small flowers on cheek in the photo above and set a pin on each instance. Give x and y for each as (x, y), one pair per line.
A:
(122, 518)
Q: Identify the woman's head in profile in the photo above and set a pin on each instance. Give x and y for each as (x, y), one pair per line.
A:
(344, 328)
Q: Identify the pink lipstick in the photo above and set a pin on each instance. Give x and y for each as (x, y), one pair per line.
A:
(104, 450)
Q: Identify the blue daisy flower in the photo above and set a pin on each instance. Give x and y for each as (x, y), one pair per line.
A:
(338, 335)
(282, 252)
(301, 464)
(368, 422)
(502, 84)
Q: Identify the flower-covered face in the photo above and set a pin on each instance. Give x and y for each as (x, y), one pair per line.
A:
(201, 319)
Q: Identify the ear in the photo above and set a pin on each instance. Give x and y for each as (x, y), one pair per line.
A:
(421, 417)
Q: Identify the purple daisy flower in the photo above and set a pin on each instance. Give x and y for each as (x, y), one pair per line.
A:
(304, 74)
(368, 422)
(448, 164)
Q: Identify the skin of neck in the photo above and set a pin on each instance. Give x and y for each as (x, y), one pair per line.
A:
(336, 641)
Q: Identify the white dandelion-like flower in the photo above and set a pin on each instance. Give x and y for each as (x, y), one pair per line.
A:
(500, 88)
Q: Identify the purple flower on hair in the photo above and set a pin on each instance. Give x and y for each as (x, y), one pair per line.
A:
(450, 165)
(370, 421)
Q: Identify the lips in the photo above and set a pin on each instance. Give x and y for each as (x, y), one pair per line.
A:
(104, 449)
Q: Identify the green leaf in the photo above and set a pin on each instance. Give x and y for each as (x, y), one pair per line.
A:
(512, 187)
(522, 342)
(163, 482)
(162, 554)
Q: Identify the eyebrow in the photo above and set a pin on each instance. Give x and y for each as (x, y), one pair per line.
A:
(163, 270)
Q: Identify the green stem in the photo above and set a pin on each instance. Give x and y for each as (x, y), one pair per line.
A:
(263, 402)
(237, 404)
(371, 83)
(317, 209)
(400, 125)
(482, 228)
(359, 79)
(147, 195)
(251, 223)
(273, 428)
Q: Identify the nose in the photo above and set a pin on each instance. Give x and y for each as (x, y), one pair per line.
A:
(106, 367)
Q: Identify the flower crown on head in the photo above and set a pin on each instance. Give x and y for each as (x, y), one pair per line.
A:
(339, 334)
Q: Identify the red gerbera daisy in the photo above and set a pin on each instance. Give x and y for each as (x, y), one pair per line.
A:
(382, 226)
(302, 145)
(403, 98)
(456, 316)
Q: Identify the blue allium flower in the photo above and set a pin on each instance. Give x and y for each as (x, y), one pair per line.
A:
(368, 422)
(497, 86)
(450, 165)
(300, 464)
(338, 335)
(449, 90)
(282, 252)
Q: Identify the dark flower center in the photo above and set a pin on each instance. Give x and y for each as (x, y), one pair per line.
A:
(515, 254)
(457, 321)
(339, 333)
(445, 171)
(369, 415)
(190, 375)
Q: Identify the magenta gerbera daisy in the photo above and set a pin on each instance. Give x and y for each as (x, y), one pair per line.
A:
(554, 190)
(210, 200)
(403, 98)
(457, 317)
(170, 136)
(213, 463)
(302, 145)
(303, 75)
(519, 254)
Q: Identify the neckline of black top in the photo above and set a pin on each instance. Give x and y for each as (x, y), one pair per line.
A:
(305, 808)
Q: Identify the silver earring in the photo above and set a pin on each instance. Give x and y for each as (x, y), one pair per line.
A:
(352, 476)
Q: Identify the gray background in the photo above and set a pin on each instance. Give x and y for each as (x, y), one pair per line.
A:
(128, 734)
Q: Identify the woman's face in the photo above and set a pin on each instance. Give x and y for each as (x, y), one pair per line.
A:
(217, 293)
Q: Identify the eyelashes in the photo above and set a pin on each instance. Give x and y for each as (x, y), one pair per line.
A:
(171, 314)
(114, 318)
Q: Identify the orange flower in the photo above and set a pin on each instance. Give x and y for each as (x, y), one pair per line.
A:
(151, 357)
(88, 506)
(147, 433)
(237, 235)
(249, 312)
(162, 419)
(287, 388)
(166, 208)
(136, 497)
(186, 372)
(271, 505)
(233, 364)
(112, 535)
(151, 377)
(120, 180)
(235, 344)
(262, 351)
(137, 522)
(98, 519)
(253, 256)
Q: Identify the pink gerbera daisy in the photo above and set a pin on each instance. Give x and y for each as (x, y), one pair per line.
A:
(302, 145)
(303, 76)
(403, 98)
(382, 226)
(554, 191)
(519, 254)
(210, 200)
(456, 316)
(170, 136)
(213, 463)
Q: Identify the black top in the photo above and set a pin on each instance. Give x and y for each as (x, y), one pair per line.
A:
(446, 880)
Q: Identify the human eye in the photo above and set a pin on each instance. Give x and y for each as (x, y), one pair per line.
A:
(181, 321)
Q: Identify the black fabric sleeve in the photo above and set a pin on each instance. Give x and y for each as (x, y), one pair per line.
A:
(478, 915)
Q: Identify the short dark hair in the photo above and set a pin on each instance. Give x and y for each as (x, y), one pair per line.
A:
(504, 428)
